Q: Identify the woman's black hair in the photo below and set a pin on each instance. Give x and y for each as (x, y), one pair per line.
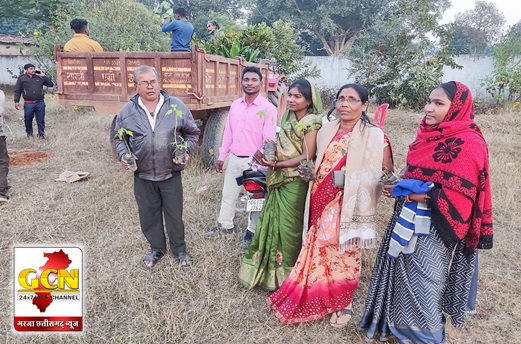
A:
(304, 87)
(364, 97)
(449, 88)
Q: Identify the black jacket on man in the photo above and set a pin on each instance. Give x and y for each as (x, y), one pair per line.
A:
(154, 148)
(31, 88)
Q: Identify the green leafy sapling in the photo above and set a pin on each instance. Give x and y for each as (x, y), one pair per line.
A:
(307, 166)
(179, 143)
(129, 157)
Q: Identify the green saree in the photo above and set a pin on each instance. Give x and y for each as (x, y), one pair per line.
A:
(277, 240)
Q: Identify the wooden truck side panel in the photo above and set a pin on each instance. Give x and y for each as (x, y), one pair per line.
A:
(105, 80)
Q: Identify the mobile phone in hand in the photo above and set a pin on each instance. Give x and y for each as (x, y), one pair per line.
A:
(258, 156)
(38, 72)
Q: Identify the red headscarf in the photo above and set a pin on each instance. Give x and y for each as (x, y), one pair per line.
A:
(454, 155)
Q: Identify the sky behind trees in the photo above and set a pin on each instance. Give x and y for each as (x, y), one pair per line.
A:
(511, 9)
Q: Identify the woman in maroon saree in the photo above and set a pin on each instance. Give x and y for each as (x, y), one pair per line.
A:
(340, 220)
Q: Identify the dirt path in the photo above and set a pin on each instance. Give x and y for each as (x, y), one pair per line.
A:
(25, 157)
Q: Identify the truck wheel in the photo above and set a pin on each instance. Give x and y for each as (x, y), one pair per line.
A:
(279, 97)
(112, 134)
(213, 136)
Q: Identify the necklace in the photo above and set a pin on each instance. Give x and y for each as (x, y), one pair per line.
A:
(299, 118)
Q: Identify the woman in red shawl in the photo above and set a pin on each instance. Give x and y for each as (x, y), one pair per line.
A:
(410, 292)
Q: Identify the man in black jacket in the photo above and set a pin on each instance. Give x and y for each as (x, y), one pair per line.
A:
(155, 124)
(31, 85)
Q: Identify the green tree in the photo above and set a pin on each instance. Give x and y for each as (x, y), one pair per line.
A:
(396, 59)
(468, 40)
(200, 23)
(504, 84)
(118, 25)
(286, 48)
(279, 43)
(336, 23)
(234, 9)
(136, 29)
(24, 17)
(485, 18)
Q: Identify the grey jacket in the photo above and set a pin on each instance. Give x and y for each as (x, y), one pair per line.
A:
(154, 148)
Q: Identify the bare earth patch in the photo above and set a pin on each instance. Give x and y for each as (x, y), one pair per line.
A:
(23, 158)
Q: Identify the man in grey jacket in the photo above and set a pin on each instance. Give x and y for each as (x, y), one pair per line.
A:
(4, 158)
(153, 124)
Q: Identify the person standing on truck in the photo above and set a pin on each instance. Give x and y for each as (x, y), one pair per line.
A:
(81, 42)
(4, 157)
(212, 27)
(182, 31)
(252, 119)
(155, 121)
(31, 85)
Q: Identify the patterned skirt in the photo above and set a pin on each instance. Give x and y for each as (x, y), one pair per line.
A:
(408, 295)
(278, 238)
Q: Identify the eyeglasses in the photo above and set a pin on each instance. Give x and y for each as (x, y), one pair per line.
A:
(350, 100)
(152, 83)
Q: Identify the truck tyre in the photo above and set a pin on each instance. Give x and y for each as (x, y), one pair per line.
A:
(213, 136)
(279, 97)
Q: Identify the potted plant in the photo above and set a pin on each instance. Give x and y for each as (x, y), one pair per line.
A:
(269, 149)
(179, 143)
(307, 166)
(129, 157)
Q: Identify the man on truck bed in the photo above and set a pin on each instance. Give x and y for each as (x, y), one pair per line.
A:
(182, 31)
(252, 119)
(153, 121)
(81, 42)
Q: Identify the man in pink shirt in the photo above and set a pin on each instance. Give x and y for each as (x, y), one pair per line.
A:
(251, 120)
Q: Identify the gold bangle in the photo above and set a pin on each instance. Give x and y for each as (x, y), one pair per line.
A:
(407, 199)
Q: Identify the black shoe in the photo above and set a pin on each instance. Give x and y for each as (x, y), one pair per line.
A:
(214, 232)
(183, 259)
(4, 198)
(246, 241)
(152, 258)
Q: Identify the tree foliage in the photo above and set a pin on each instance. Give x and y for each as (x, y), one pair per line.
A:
(118, 25)
(504, 84)
(485, 19)
(22, 17)
(476, 30)
(199, 23)
(336, 23)
(233, 9)
(468, 40)
(279, 43)
(396, 59)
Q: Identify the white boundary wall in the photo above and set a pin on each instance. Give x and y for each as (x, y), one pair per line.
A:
(334, 72)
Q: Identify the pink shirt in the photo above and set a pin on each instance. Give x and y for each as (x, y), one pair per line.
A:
(248, 126)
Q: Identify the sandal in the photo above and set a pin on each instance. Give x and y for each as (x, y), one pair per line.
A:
(341, 318)
(151, 259)
(183, 259)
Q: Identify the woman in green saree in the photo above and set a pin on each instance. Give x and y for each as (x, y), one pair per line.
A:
(278, 237)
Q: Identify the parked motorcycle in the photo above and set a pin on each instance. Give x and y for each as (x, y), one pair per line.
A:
(254, 181)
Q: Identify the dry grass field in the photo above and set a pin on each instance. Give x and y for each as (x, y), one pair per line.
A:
(205, 304)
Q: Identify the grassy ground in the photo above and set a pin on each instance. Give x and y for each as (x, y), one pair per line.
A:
(205, 304)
